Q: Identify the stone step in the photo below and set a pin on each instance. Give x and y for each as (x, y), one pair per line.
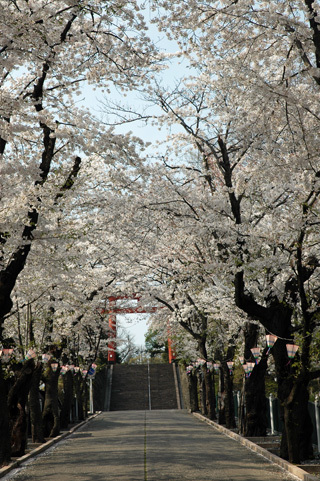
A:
(130, 389)
(269, 445)
(264, 439)
(310, 468)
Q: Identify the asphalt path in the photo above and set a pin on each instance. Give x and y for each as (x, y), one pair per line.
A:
(168, 445)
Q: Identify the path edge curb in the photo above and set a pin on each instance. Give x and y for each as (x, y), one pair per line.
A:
(291, 468)
(40, 449)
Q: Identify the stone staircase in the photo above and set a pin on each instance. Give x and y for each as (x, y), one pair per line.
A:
(139, 387)
(271, 443)
(129, 388)
(162, 386)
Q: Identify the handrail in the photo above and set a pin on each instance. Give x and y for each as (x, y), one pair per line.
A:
(149, 386)
(177, 385)
(107, 399)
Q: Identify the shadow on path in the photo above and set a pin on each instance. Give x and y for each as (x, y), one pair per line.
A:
(169, 445)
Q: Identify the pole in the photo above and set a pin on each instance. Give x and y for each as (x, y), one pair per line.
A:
(316, 408)
(149, 387)
(239, 405)
(76, 407)
(91, 395)
(271, 413)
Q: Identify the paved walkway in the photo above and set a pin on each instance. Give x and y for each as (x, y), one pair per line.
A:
(148, 446)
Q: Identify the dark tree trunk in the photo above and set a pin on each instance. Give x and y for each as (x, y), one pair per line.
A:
(254, 422)
(79, 396)
(226, 402)
(208, 388)
(228, 398)
(276, 318)
(8, 279)
(50, 415)
(296, 441)
(298, 425)
(209, 393)
(221, 399)
(35, 408)
(85, 395)
(241, 412)
(193, 392)
(5, 448)
(202, 393)
(67, 399)
(17, 401)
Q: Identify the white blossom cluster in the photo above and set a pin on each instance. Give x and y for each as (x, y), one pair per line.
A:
(236, 192)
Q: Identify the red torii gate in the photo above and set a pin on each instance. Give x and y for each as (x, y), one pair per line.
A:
(114, 310)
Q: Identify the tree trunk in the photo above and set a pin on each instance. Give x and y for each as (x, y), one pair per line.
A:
(221, 399)
(228, 398)
(35, 408)
(254, 422)
(193, 392)
(79, 396)
(67, 399)
(51, 415)
(5, 448)
(208, 386)
(209, 393)
(296, 442)
(202, 393)
(85, 395)
(241, 412)
(276, 318)
(17, 400)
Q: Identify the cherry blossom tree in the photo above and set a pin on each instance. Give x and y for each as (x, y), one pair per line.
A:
(49, 52)
(67, 319)
(249, 109)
